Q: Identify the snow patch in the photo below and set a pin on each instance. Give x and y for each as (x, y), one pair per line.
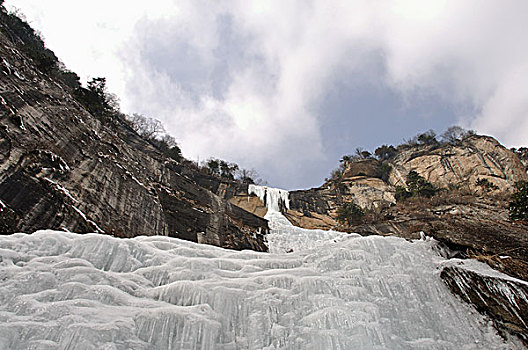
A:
(481, 269)
(18, 75)
(496, 283)
(7, 65)
(128, 173)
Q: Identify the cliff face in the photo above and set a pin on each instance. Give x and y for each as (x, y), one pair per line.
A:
(62, 168)
(465, 216)
(451, 167)
(462, 164)
(505, 300)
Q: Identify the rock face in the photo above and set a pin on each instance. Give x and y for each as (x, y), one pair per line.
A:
(461, 164)
(317, 207)
(505, 300)
(470, 227)
(62, 168)
(447, 166)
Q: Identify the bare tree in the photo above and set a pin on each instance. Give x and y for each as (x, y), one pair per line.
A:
(455, 133)
(146, 126)
(248, 176)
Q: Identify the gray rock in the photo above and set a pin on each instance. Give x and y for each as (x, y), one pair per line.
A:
(62, 168)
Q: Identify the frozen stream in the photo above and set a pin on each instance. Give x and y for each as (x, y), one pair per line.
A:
(333, 291)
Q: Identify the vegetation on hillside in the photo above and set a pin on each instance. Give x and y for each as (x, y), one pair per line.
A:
(486, 185)
(222, 168)
(453, 135)
(102, 104)
(97, 100)
(230, 171)
(349, 213)
(385, 154)
(32, 45)
(30, 41)
(518, 206)
(417, 186)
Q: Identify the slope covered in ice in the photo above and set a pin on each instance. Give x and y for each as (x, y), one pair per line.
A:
(334, 291)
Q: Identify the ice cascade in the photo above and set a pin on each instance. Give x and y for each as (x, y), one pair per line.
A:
(315, 290)
(272, 197)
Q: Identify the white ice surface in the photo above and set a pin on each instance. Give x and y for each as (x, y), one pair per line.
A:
(61, 290)
(270, 196)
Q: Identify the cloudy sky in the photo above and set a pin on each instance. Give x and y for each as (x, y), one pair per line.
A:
(288, 87)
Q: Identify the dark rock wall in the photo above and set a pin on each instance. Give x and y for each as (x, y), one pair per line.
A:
(62, 168)
(502, 299)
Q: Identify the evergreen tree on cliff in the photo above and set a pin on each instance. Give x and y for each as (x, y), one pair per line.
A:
(519, 203)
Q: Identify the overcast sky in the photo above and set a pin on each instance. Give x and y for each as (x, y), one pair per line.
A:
(288, 87)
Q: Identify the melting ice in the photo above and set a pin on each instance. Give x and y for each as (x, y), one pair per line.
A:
(333, 291)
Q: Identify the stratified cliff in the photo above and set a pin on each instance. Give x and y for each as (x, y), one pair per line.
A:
(372, 183)
(461, 164)
(63, 168)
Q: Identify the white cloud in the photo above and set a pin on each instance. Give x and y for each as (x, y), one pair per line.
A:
(89, 35)
(267, 115)
(505, 113)
(243, 80)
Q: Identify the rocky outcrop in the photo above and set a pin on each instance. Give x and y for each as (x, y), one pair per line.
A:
(504, 300)
(461, 164)
(63, 168)
(470, 226)
(448, 166)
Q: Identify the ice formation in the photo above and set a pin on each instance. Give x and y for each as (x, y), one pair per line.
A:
(273, 198)
(334, 291)
(284, 237)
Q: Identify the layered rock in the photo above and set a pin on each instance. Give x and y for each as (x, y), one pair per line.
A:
(448, 166)
(63, 168)
(461, 164)
(504, 300)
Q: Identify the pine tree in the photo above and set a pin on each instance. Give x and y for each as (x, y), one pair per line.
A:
(519, 202)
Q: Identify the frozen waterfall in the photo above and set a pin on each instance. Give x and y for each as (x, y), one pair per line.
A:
(284, 237)
(273, 198)
(334, 291)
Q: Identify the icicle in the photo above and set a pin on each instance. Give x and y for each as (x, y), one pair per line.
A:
(272, 197)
